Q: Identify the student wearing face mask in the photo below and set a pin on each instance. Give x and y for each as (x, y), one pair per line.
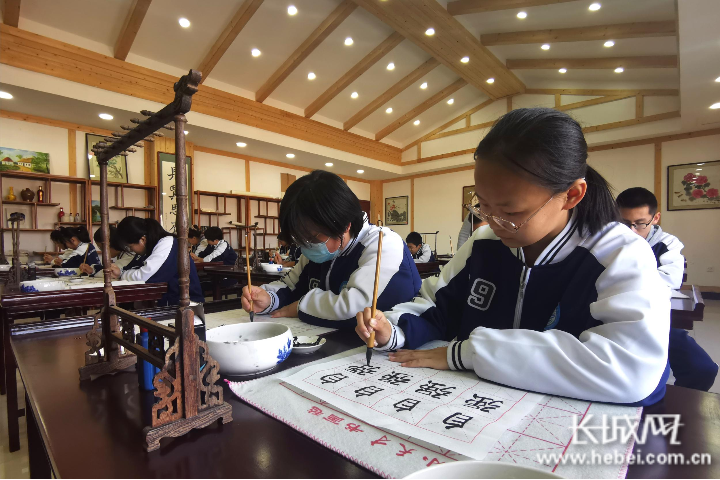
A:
(335, 275)
(556, 296)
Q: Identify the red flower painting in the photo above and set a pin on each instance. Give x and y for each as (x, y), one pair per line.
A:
(701, 180)
(712, 193)
(697, 193)
(689, 177)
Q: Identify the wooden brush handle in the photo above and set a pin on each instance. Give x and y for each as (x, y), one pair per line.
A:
(247, 262)
(373, 310)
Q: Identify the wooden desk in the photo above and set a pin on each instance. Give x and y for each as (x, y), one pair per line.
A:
(200, 266)
(15, 304)
(94, 428)
(428, 269)
(217, 273)
(685, 311)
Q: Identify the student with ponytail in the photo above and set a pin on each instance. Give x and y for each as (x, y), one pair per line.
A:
(145, 236)
(554, 295)
(77, 240)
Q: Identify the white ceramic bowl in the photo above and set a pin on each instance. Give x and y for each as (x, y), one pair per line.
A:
(44, 285)
(5, 268)
(477, 469)
(271, 267)
(67, 272)
(306, 345)
(249, 348)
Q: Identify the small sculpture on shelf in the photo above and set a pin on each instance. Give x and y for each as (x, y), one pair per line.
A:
(40, 195)
(27, 195)
(11, 195)
(77, 218)
(61, 214)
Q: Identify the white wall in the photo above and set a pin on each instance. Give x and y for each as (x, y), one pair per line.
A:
(216, 173)
(626, 167)
(361, 189)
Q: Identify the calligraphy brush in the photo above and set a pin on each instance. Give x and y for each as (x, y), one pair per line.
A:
(373, 310)
(247, 260)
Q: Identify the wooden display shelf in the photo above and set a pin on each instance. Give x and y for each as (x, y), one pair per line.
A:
(266, 216)
(37, 204)
(70, 223)
(31, 229)
(267, 234)
(206, 212)
(143, 209)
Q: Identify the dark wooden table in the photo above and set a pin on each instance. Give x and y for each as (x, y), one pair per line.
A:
(685, 311)
(15, 304)
(94, 428)
(428, 269)
(218, 273)
(200, 266)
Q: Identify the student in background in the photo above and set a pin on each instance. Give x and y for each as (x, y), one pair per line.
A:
(287, 247)
(78, 241)
(118, 255)
(221, 251)
(477, 222)
(335, 275)
(145, 236)
(556, 296)
(57, 238)
(470, 224)
(198, 242)
(692, 367)
(420, 251)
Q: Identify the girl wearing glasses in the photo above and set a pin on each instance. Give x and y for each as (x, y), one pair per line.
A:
(335, 276)
(554, 295)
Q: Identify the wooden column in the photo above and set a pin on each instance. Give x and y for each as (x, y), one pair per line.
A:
(247, 180)
(658, 177)
(72, 168)
(376, 200)
(412, 204)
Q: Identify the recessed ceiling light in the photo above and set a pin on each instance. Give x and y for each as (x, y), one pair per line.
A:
(619, 70)
(93, 176)
(255, 52)
(241, 144)
(423, 85)
(354, 95)
(715, 106)
(609, 43)
(388, 110)
(416, 122)
(391, 66)
(105, 116)
(546, 47)
(562, 70)
(429, 32)
(717, 80)
(451, 101)
(522, 15)
(7, 96)
(490, 80)
(290, 155)
(185, 132)
(698, 164)
(292, 10)
(184, 22)
(361, 171)
(348, 41)
(311, 76)
(594, 7)
(698, 169)
(329, 164)
(465, 59)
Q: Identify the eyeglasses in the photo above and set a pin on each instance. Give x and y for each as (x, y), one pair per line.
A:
(638, 225)
(306, 244)
(501, 222)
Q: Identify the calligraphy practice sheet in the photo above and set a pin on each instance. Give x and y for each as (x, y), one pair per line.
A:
(296, 326)
(454, 410)
(542, 438)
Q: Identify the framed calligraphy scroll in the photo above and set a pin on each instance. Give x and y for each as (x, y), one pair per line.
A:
(167, 200)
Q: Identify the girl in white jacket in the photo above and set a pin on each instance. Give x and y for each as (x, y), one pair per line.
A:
(554, 295)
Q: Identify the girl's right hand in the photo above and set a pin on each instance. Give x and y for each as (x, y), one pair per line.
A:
(366, 324)
(57, 261)
(47, 258)
(260, 299)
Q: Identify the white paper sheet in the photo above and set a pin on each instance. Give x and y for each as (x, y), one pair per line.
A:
(297, 327)
(454, 410)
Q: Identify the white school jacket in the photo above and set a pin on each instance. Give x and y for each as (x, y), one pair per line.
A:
(670, 262)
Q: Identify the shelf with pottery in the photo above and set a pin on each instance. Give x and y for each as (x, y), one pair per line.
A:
(270, 223)
(120, 189)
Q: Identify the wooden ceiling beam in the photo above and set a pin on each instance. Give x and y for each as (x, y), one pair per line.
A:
(591, 102)
(228, 36)
(430, 102)
(631, 122)
(582, 34)
(452, 122)
(658, 92)
(658, 61)
(449, 44)
(391, 92)
(327, 26)
(11, 12)
(463, 7)
(354, 73)
(130, 28)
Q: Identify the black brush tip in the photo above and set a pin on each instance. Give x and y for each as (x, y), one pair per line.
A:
(368, 355)
(252, 316)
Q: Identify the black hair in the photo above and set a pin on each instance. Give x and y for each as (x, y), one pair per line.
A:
(194, 232)
(80, 232)
(285, 238)
(115, 242)
(638, 197)
(476, 220)
(213, 233)
(132, 229)
(414, 237)
(549, 148)
(320, 202)
(56, 236)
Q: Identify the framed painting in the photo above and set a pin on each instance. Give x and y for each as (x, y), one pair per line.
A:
(693, 186)
(117, 166)
(396, 211)
(468, 196)
(23, 161)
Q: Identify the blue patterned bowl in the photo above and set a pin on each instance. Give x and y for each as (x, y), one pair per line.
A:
(44, 285)
(249, 348)
(67, 272)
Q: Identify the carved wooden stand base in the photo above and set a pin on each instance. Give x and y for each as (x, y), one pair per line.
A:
(102, 368)
(181, 427)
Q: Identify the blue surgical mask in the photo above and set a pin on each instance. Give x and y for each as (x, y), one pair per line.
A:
(319, 253)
